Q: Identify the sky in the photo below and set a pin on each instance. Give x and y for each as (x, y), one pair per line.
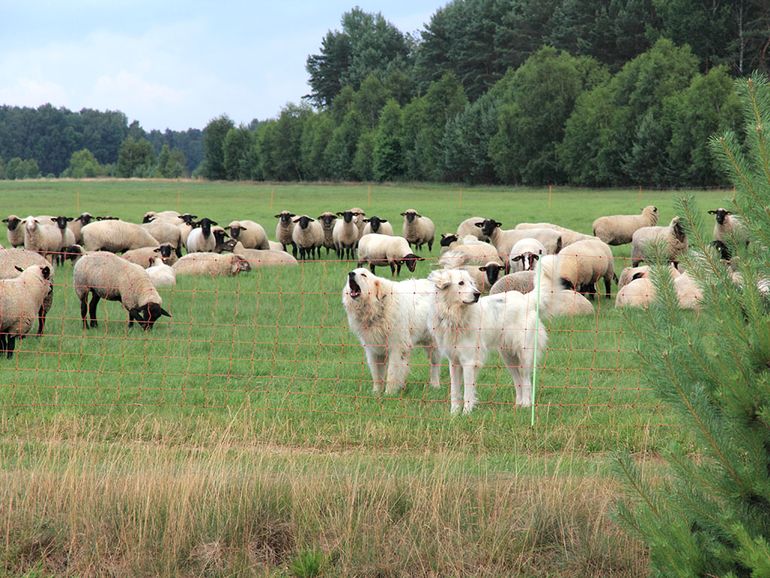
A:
(173, 64)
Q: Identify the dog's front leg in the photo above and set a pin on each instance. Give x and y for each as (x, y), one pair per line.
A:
(435, 366)
(456, 381)
(469, 377)
(376, 360)
(398, 369)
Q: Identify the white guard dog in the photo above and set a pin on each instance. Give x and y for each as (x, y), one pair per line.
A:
(466, 328)
(390, 318)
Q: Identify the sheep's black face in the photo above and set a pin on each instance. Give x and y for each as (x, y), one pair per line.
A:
(205, 224)
(488, 226)
(12, 223)
(61, 222)
(721, 216)
(85, 218)
(409, 216)
(303, 222)
(188, 219)
(149, 314)
(375, 223)
(724, 252)
(235, 232)
(285, 217)
(492, 272)
(347, 216)
(410, 261)
(147, 219)
(327, 220)
(165, 251)
(447, 240)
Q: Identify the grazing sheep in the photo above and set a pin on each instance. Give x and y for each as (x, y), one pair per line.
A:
(161, 275)
(327, 220)
(345, 235)
(116, 236)
(583, 263)
(525, 254)
(284, 229)
(77, 224)
(308, 236)
(144, 255)
(211, 264)
(376, 249)
(42, 236)
(468, 227)
(620, 229)
(21, 301)
(251, 234)
(166, 232)
(15, 233)
(521, 281)
(673, 236)
(107, 276)
(418, 230)
(375, 224)
(568, 236)
(200, 239)
(11, 260)
(505, 239)
(729, 226)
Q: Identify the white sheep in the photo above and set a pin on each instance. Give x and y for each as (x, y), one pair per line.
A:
(276, 246)
(308, 236)
(521, 281)
(284, 229)
(67, 237)
(15, 233)
(729, 226)
(201, 239)
(525, 254)
(150, 216)
(450, 240)
(166, 232)
(505, 239)
(672, 237)
(42, 237)
(475, 264)
(640, 292)
(263, 258)
(358, 219)
(620, 229)
(327, 220)
(468, 227)
(418, 230)
(107, 276)
(628, 274)
(11, 260)
(583, 263)
(211, 264)
(161, 275)
(21, 301)
(250, 233)
(144, 255)
(77, 224)
(376, 249)
(345, 235)
(375, 224)
(568, 236)
(688, 292)
(115, 236)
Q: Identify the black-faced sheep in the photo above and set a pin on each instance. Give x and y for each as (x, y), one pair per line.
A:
(729, 227)
(375, 224)
(308, 236)
(377, 249)
(143, 255)
(211, 264)
(284, 229)
(505, 239)
(418, 230)
(583, 263)
(15, 233)
(673, 237)
(21, 301)
(116, 236)
(620, 229)
(250, 233)
(201, 239)
(327, 220)
(11, 260)
(345, 235)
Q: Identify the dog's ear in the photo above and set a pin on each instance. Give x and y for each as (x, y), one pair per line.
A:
(439, 278)
(379, 290)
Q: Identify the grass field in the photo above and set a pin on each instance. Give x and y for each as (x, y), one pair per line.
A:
(241, 436)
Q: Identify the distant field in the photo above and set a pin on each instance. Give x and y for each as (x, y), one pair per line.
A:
(257, 383)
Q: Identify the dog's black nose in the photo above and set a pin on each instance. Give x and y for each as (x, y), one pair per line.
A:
(352, 275)
(476, 296)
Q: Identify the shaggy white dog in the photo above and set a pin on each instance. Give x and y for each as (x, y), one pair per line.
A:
(466, 328)
(390, 318)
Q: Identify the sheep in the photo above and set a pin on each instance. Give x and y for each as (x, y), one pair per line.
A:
(673, 236)
(144, 255)
(77, 224)
(284, 229)
(475, 264)
(640, 292)
(418, 230)
(251, 234)
(468, 227)
(21, 302)
(308, 236)
(521, 281)
(15, 233)
(504, 240)
(13, 259)
(478, 253)
(358, 219)
(375, 224)
(185, 226)
(211, 264)
(729, 226)
(619, 229)
(67, 237)
(568, 236)
(161, 274)
(525, 254)
(166, 232)
(107, 276)
(376, 249)
(583, 263)
(628, 274)
(492, 271)
(116, 236)
(42, 237)
(450, 240)
(150, 216)
(345, 235)
(688, 292)
(262, 258)
(201, 239)
(327, 220)
(276, 246)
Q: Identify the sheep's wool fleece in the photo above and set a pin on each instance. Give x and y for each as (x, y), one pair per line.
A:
(21, 299)
(114, 278)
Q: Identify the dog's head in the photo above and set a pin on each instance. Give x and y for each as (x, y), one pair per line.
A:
(455, 286)
(362, 285)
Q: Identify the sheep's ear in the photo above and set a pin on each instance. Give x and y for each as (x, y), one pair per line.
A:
(439, 279)
(156, 250)
(728, 212)
(214, 223)
(639, 275)
(712, 212)
(367, 220)
(517, 258)
(417, 215)
(164, 312)
(19, 269)
(403, 214)
(295, 220)
(383, 220)
(479, 225)
(559, 245)
(498, 224)
(483, 268)
(54, 219)
(278, 216)
(311, 220)
(46, 272)
(339, 213)
(5, 220)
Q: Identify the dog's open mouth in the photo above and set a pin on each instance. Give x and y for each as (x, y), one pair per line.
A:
(355, 288)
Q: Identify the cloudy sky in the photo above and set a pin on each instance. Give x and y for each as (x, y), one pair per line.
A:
(173, 63)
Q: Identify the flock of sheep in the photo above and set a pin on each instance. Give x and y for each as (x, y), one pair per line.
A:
(127, 262)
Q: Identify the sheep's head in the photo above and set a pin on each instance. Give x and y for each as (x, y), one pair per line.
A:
(488, 226)
(188, 219)
(72, 252)
(722, 249)
(239, 265)
(219, 235)
(410, 260)
(228, 246)
(149, 217)
(285, 217)
(30, 224)
(492, 271)
(85, 218)
(61, 221)
(148, 314)
(528, 260)
(327, 219)
(12, 221)
(303, 221)
(410, 215)
(164, 251)
(205, 224)
(235, 229)
(375, 222)
(347, 216)
(721, 215)
(678, 229)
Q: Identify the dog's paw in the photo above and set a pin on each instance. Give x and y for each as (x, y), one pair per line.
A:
(456, 408)
(468, 408)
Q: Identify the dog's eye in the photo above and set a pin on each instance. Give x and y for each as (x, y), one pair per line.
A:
(461, 283)
(362, 275)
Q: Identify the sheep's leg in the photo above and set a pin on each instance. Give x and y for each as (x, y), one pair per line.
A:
(469, 381)
(11, 345)
(456, 386)
(376, 361)
(92, 309)
(607, 286)
(3, 343)
(398, 369)
(84, 310)
(430, 245)
(392, 268)
(40, 321)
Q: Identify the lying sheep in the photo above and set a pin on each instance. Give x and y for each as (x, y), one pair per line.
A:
(345, 235)
(201, 239)
(42, 237)
(628, 274)
(521, 281)
(418, 230)
(375, 224)
(211, 264)
(327, 220)
(150, 216)
(468, 227)
(160, 274)
(505, 239)
(251, 234)
(673, 237)
(144, 255)
(729, 226)
(308, 237)
(261, 258)
(11, 260)
(620, 229)
(21, 301)
(376, 249)
(116, 236)
(524, 255)
(688, 292)
(639, 292)
(284, 229)
(107, 276)
(583, 263)
(15, 233)
(449, 241)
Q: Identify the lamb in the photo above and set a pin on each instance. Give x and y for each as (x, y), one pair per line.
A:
(308, 236)
(201, 240)
(505, 239)
(21, 301)
(525, 254)
(620, 229)
(161, 275)
(583, 263)
(375, 224)
(418, 230)
(107, 276)
(42, 237)
(673, 236)
(15, 233)
(468, 227)
(284, 229)
(166, 232)
(345, 235)
(211, 264)
(262, 258)
(729, 226)
(146, 255)
(12, 260)
(251, 234)
(376, 249)
(327, 220)
(116, 236)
